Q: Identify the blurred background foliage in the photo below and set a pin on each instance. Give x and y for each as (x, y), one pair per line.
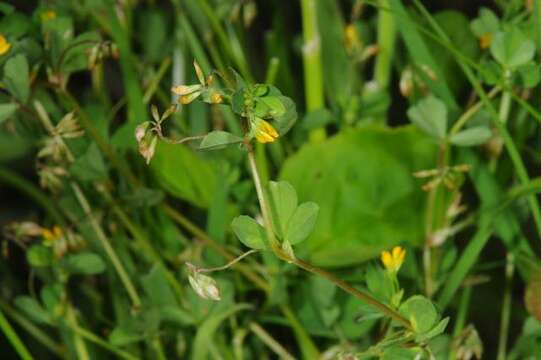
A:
(359, 72)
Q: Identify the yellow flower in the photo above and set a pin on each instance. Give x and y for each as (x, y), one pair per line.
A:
(351, 38)
(4, 45)
(392, 260)
(264, 132)
(485, 41)
(48, 15)
(216, 98)
(51, 235)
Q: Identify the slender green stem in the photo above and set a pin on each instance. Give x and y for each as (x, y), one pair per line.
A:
(468, 114)
(79, 344)
(386, 29)
(13, 338)
(355, 292)
(153, 86)
(117, 264)
(462, 314)
(308, 348)
(33, 330)
(274, 345)
(237, 58)
(263, 204)
(272, 70)
(518, 164)
(229, 264)
(275, 246)
(201, 235)
(429, 225)
(506, 307)
(313, 68)
(13, 179)
(102, 343)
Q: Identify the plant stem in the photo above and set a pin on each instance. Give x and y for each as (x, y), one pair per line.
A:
(353, 291)
(313, 69)
(429, 225)
(100, 342)
(33, 330)
(79, 344)
(468, 114)
(13, 338)
(506, 307)
(229, 264)
(13, 179)
(201, 235)
(274, 345)
(518, 164)
(308, 348)
(386, 41)
(263, 204)
(460, 319)
(117, 264)
(275, 246)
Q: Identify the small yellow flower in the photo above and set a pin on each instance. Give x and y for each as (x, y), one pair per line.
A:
(48, 15)
(216, 98)
(485, 41)
(4, 45)
(392, 260)
(51, 235)
(351, 38)
(264, 132)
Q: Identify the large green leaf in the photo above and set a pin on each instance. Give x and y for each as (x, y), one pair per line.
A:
(362, 182)
(184, 174)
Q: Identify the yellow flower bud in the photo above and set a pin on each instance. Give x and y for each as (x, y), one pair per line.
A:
(4, 45)
(48, 15)
(186, 99)
(485, 41)
(264, 132)
(392, 260)
(185, 89)
(216, 98)
(351, 38)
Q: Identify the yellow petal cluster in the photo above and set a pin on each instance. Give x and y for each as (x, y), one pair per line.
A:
(4, 45)
(392, 260)
(51, 235)
(264, 132)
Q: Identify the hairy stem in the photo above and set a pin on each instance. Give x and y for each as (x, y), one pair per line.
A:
(275, 246)
(313, 68)
(109, 250)
(13, 338)
(506, 307)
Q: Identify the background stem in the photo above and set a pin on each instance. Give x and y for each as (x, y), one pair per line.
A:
(13, 338)
(313, 69)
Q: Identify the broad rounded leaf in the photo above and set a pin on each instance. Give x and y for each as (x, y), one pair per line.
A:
(6, 110)
(287, 119)
(249, 232)
(430, 115)
(420, 312)
(473, 136)
(302, 223)
(283, 202)
(362, 181)
(39, 256)
(275, 106)
(512, 48)
(84, 263)
(16, 77)
(184, 173)
(216, 140)
(33, 309)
